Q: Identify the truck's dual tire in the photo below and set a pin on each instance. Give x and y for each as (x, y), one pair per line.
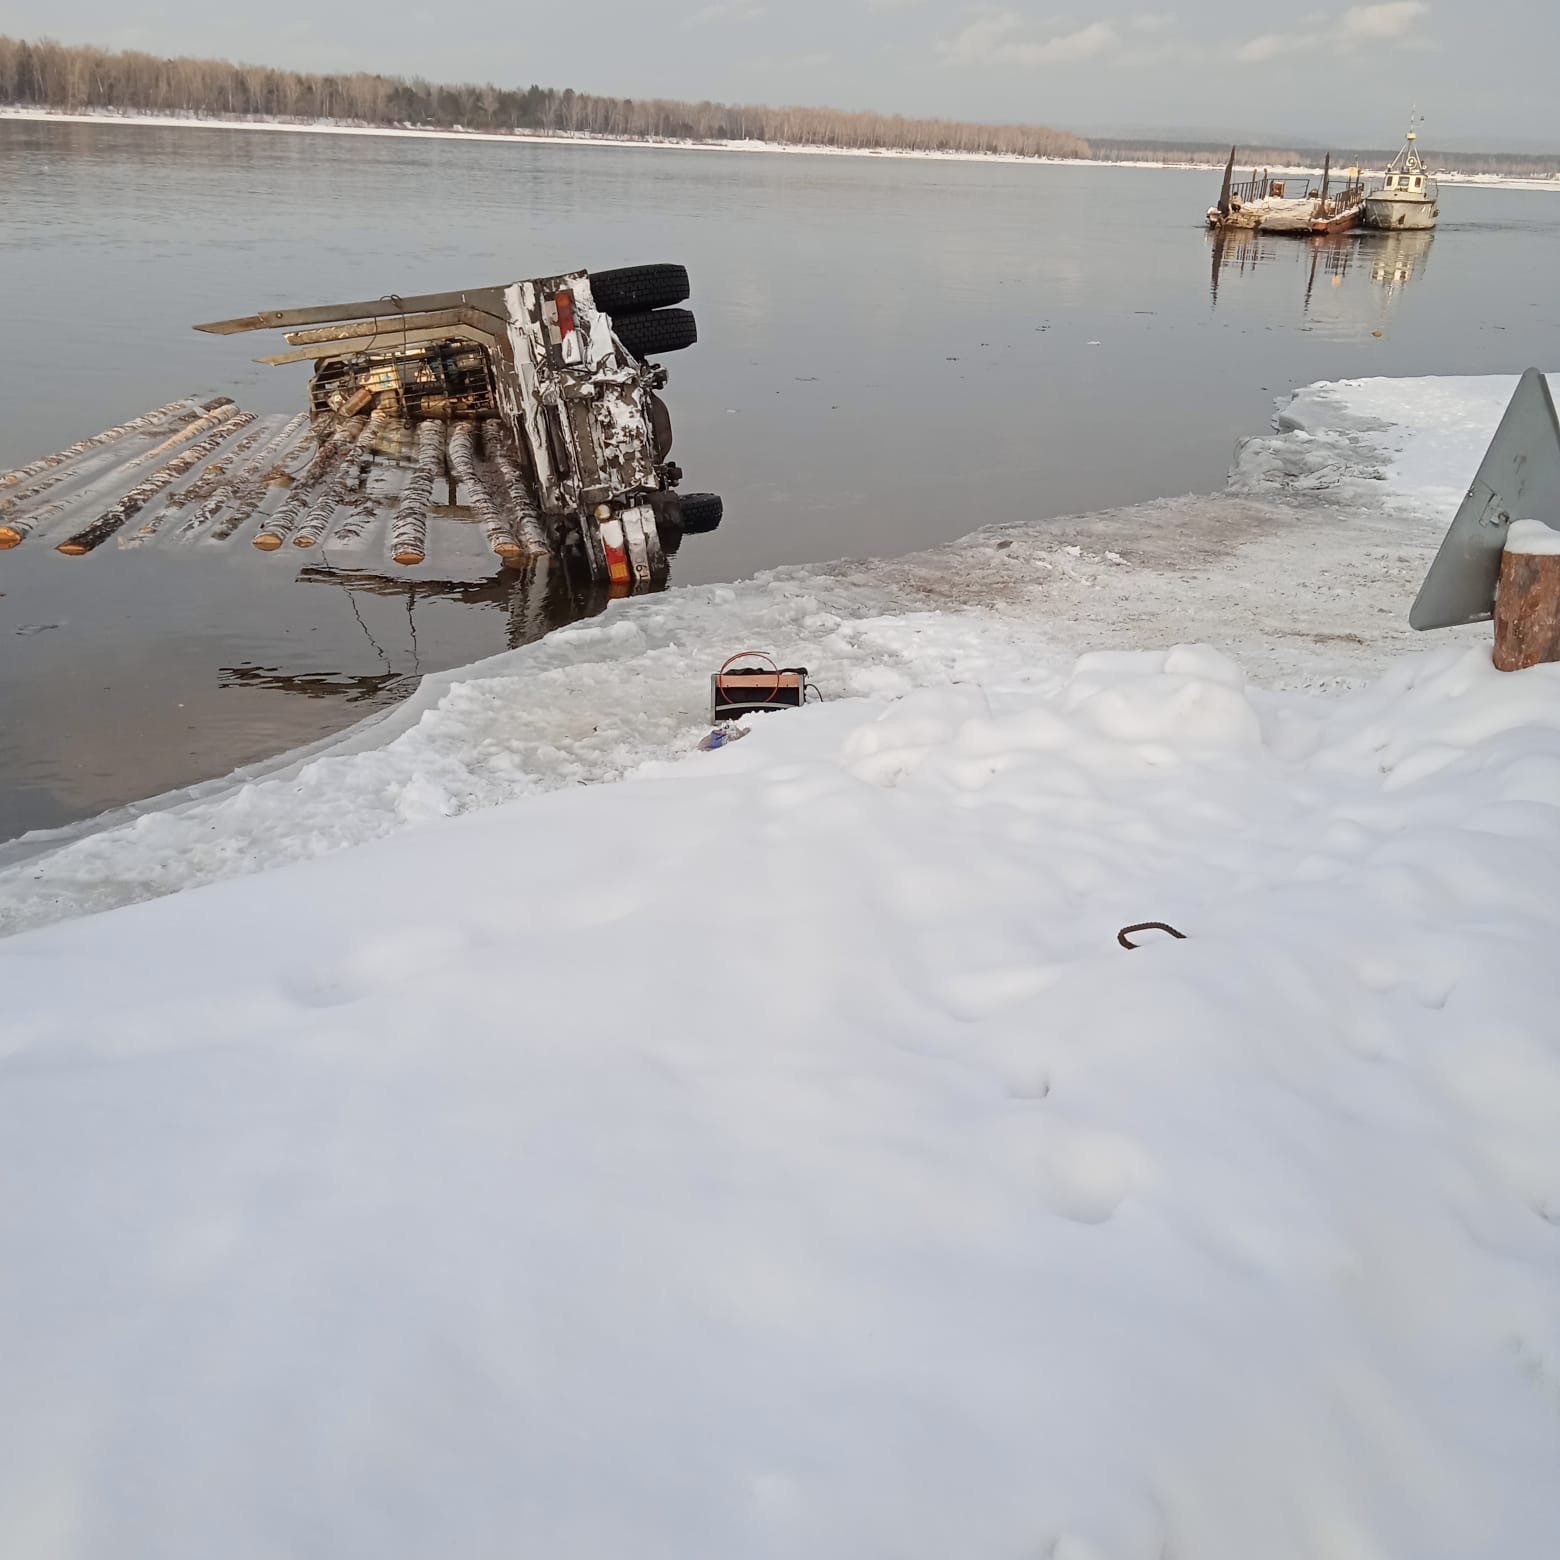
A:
(684, 514)
(634, 289)
(654, 334)
(701, 512)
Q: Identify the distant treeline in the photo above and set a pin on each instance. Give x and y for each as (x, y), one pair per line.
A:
(45, 74)
(51, 75)
(1507, 164)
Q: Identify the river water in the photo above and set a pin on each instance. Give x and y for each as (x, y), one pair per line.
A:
(892, 353)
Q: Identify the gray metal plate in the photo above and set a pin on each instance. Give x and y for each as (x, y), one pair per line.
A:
(1519, 479)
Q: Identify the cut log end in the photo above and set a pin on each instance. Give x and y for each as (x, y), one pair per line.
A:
(304, 541)
(9, 537)
(407, 556)
(1527, 610)
(72, 549)
(268, 543)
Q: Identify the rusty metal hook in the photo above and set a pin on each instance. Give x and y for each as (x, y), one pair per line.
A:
(1147, 926)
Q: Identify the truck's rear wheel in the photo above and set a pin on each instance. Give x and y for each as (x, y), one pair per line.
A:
(651, 335)
(634, 288)
(701, 512)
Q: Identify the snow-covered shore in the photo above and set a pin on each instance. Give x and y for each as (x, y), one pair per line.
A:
(772, 1151)
(564, 138)
(1303, 571)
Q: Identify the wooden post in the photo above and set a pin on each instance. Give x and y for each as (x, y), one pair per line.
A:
(1527, 600)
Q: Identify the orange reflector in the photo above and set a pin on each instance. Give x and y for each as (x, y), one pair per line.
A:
(616, 553)
(565, 303)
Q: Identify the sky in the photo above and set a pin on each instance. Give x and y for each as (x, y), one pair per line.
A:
(1341, 74)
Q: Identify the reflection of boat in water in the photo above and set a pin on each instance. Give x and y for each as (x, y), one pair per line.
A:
(1408, 197)
(1398, 257)
(1389, 260)
(1264, 203)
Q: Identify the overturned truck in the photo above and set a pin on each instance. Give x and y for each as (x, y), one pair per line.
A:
(535, 405)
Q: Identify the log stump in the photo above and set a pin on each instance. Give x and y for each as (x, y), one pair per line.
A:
(1527, 600)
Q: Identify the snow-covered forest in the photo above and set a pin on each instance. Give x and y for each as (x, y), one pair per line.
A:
(52, 75)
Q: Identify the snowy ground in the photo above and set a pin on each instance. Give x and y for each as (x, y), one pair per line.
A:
(775, 1153)
(1303, 571)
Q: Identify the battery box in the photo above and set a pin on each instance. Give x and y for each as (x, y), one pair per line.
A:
(750, 690)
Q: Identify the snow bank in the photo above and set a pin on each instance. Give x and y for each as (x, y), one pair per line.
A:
(594, 702)
(1303, 571)
(777, 1155)
(1413, 444)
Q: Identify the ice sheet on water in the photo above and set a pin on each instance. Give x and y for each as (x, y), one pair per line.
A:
(1301, 591)
(1412, 444)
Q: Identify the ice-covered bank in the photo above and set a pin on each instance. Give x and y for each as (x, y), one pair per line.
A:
(1303, 571)
(774, 1153)
(777, 1155)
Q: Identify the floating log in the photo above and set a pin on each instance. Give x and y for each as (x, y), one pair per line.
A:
(529, 526)
(81, 446)
(1527, 599)
(197, 492)
(279, 527)
(94, 535)
(350, 473)
(409, 532)
(20, 524)
(245, 492)
(463, 464)
(388, 434)
(218, 411)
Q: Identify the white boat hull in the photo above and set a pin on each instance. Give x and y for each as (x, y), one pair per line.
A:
(1383, 211)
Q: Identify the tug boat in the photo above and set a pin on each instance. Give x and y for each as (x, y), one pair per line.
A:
(1409, 197)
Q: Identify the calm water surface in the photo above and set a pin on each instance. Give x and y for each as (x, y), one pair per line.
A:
(893, 352)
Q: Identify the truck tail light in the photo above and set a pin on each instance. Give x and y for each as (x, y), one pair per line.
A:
(613, 544)
(565, 305)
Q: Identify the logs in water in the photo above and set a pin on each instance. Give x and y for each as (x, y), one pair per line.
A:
(94, 535)
(279, 527)
(244, 489)
(350, 473)
(363, 506)
(197, 492)
(529, 526)
(463, 466)
(1527, 600)
(81, 446)
(63, 465)
(409, 532)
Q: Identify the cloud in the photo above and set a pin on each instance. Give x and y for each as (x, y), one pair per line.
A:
(727, 11)
(1366, 23)
(1357, 27)
(998, 38)
(893, 5)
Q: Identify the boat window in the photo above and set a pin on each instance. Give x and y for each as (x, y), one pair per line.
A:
(1403, 182)
(1418, 182)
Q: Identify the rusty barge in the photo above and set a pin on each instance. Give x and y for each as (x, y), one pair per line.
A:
(1269, 204)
